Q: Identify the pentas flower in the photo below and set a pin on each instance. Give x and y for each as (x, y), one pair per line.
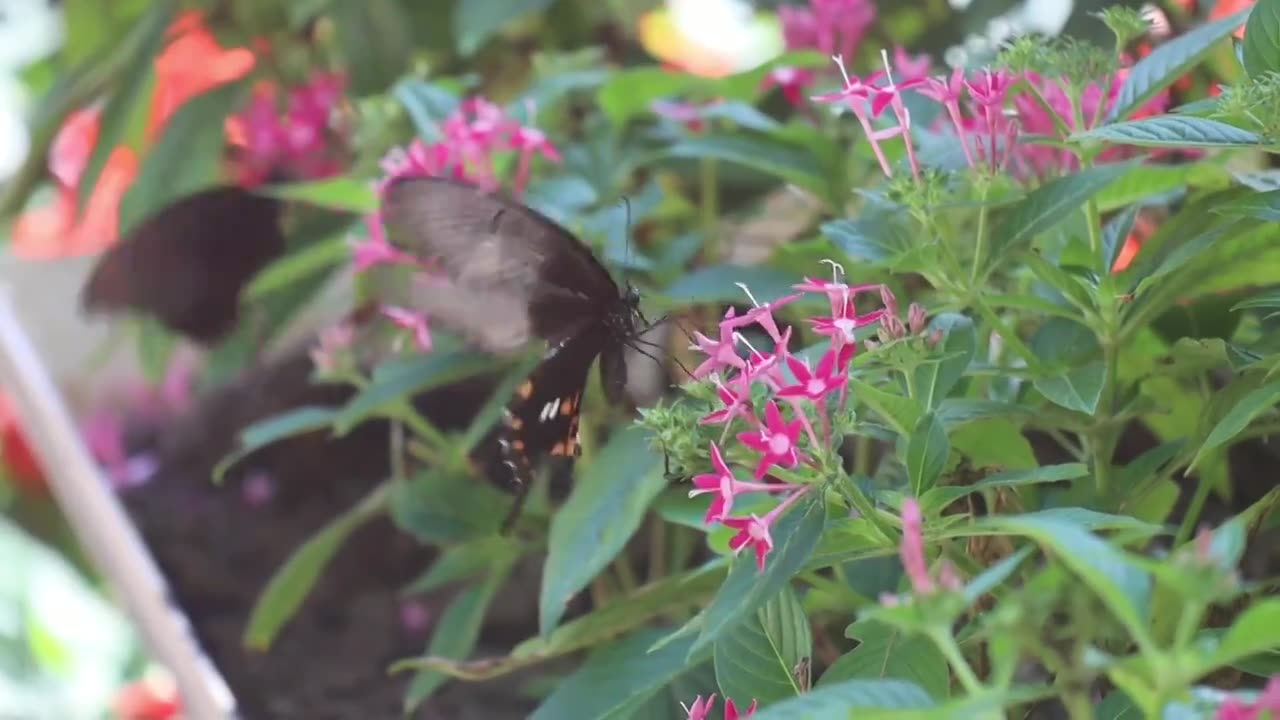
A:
(832, 27)
(736, 404)
(726, 487)
(868, 100)
(754, 531)
(258, 489)
(413, 322)
(473, 135)
(687, 114)
(791, 81)
(295, 139)
(701, 709)
(1267, 706)
(376, 250)
(332, 342)
(911, 68)
(776, 440)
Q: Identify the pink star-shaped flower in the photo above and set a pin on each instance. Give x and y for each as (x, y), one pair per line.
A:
(776, 441)
(731, 710)
(736, 404)
(414, 322)
(816, 385)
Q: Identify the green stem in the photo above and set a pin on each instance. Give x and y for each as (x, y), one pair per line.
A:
(1011, 339)
(709, 196)
(981, 243)
(1192, 517)
(1103, 442)
(1078, 705)
(941, 637)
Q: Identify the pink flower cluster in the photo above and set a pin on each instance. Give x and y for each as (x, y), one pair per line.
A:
(701, 709)
(1266, 706)
(983, 112)
(833, 27)
(473, 135)
(1096, 100)
(775, 439)
(295, 142)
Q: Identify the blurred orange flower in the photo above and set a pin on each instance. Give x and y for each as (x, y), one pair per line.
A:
(192, 63)
(1226, 8)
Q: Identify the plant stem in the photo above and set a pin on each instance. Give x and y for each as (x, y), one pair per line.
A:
(1011, 340)
(1192, 516)
(941, 636)
(709, 196)
(981, 242)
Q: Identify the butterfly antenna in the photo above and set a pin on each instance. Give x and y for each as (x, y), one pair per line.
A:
(626, 239)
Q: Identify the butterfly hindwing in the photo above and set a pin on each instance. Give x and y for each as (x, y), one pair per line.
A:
(542, 418)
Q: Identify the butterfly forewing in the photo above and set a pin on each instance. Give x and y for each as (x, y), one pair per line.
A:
(187, 263)
(519, 266)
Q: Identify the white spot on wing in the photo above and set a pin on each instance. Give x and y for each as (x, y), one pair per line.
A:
(549, 410)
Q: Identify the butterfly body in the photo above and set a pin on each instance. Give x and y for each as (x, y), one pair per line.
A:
(512, 275)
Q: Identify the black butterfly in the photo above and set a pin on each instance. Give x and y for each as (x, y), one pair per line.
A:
(187, 263)
(513, 275)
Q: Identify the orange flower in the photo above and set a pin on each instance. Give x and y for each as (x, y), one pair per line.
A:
(191, 64)
(1226, 8)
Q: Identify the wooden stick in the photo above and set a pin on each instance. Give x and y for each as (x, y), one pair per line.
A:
(102, 525)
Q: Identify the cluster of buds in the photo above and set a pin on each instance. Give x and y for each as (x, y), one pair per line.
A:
(893, 328)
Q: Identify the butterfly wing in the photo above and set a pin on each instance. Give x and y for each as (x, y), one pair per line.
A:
(542, 417)
(186, 264)
(511, 274)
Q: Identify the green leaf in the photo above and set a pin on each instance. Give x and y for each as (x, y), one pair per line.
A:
(1260, 51)
(292, 582)
(718, 283)
(1146, 183)
(275, 428)
(456, 632)
(1078, 389)
(886, 653)
(393, 383)
(298, 266)
(348, 194)
(619, 675)
(130, 100)
(428, 104)
(1115, 233)
(632, 91)
(1249, 407)
(995, 442)
(606, 507)
(1121, 585)
(927, 451)
(1065, 283)
(475, 21)
(1050, 204)
(465, 561)
(1256, 631)
(1183, 254)
(1263, 206)
(874, 242)
(785, 161)
(377, 41)
(936, 378)
(902, 413)
(760, 656)
(940, 497)
(187, 158)
(1173, 131)
(1269, 300)
(1167, 62)
(840, 700)
(795, 536)
(437, 507)
(994, 576)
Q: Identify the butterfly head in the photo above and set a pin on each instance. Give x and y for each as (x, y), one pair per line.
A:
(631, 315)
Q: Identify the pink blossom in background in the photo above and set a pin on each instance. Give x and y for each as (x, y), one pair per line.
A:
(793, 82)
(332, 341)
(415, 616)
(910, 68)
(473, 135)
(832, 27)
(294, 139)
(685, 113)
(376, 249)
(103, 434)
(1268, 702)
(415, 323)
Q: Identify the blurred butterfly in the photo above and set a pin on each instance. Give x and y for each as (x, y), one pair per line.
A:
(512, 275)
(186, 264)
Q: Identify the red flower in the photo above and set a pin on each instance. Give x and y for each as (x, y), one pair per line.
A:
(731, 710)
(191, 64)
(154, 697)
(777, 441)
(21, 465)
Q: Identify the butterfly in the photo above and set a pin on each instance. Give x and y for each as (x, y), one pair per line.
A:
(511, 275)
(186, 264)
